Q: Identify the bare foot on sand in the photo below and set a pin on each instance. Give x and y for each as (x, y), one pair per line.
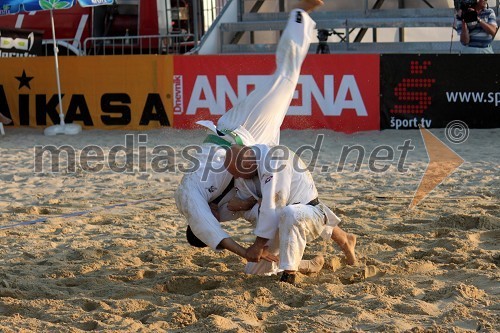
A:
(347, 242)
(313, 265)
(309, 5)
(348, 249)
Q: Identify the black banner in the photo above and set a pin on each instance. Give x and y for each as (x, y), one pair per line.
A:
(20, 43)
(433, 90)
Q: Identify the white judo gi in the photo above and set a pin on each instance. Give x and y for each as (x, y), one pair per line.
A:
(290, 214)
(255, 119)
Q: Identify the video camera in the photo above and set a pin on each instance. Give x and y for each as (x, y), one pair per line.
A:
(469, 14)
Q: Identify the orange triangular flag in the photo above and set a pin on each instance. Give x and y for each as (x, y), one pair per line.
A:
(442, 162)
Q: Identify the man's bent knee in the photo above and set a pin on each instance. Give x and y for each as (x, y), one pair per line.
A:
(291, 216)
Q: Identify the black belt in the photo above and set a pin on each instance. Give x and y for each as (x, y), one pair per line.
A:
(224, 193)
(313, 202)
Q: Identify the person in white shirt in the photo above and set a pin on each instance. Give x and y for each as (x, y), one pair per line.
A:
(289, 212)
(256, 119)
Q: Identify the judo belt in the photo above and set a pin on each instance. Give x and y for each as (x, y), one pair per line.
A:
(192, 239)
(226, 191)
(212, 138)
(313, 202)
(219, 140)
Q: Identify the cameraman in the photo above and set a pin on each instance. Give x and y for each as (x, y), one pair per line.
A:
(477, 26)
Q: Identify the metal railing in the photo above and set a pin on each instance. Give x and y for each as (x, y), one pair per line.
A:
(171, 43)
(150, 44)
(259, 24)
(66, 47)
(211, 9)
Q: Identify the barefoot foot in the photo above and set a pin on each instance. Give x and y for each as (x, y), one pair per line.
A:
(313, 265)
(309, 5)
(348, 249)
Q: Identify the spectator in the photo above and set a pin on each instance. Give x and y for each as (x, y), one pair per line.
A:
(477, 27)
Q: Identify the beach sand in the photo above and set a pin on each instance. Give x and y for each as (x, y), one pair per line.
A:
(106, 250)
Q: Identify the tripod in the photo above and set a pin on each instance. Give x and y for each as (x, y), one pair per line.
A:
(323, 35)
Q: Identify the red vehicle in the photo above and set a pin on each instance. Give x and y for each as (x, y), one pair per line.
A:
(126, 27)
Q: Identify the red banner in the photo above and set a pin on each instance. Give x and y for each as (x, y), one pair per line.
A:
(338, 92)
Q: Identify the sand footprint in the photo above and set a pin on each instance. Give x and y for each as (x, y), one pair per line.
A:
(488, 240)
(467, 222)
(90, 306)
(90, 325)
(421, 266)
(191, 285)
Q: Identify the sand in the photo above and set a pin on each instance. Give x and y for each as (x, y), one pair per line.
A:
(106, 250)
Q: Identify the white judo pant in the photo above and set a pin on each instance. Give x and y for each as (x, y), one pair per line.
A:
(258, 117)
(299, 224)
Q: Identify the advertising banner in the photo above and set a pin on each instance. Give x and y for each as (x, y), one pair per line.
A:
(20, 43)
(111, 92)
(434, 90)
(337, 92)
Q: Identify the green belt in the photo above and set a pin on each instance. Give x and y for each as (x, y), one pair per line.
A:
(212, 138)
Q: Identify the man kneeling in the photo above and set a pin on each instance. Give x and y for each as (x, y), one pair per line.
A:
(289, 211)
